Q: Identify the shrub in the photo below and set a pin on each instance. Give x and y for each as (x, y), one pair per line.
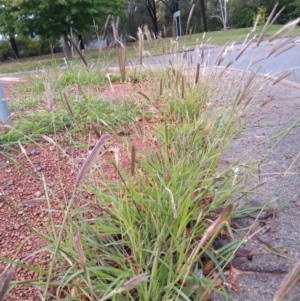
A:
(28, 47)
(5, 51)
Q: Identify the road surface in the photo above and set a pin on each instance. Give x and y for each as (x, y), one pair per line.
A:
(254, 58)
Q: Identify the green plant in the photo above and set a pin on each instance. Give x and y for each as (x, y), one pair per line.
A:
(149, 231)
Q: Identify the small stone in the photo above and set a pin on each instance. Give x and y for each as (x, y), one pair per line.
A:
(38, 194)
(30, 206)
(7, 170)
(28, 248)
(33, 153)
(1, 205)
(3, 165)
(39, 168)
(20, 212)
(9, 184)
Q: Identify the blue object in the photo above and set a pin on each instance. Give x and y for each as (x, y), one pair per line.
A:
(4, 110)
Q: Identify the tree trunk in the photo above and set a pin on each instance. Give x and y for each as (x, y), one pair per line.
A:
(81, 44)
(68, 50)
(151, 6)
(14, 46)
(202, 5)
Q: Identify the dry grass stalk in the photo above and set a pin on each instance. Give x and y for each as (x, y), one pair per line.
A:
(255, 24)
(127, 286)
(22, 148)
(221, 55)
(189, 18)
(174, 209)
(121, 50)
(68, 104)
(106, 22)
(269, 22)
(49, 97)
(141, 44)
(160, 88)
(114, 26)
(132, 165)
(281, 45)
(90, 159)
(78, 51)
(247, 102)
(144, 95)
(132, 283)
(197, 73)
(289, 283)
(81, 91)
(94, 128)
(148, 34)
(80, 252)
(281, 77)
(110, 83)
(284, 49)
(5, 280)
(244, 49)
(122, 62)
(211, 232)
(289, 26)
(182, 86)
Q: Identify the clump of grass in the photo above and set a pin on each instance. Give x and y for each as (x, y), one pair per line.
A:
(32, 124)
(153, 229)
(155, 225)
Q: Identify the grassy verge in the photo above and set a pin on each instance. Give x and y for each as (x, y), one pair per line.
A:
(162, 46)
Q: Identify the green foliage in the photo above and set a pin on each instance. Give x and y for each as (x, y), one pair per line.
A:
(5, 51)
(27, 48)
(56, 17)
(7, 20)
(295, 6)
(242, 12)
(262, 13)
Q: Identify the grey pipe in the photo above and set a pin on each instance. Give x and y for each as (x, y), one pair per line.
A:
(4, 109)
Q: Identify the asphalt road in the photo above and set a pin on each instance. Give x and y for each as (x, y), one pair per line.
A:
(254, 58)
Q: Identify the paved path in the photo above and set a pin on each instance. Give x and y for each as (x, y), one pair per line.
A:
(273, 118)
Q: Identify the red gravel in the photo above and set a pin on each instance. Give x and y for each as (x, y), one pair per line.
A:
(23, 196)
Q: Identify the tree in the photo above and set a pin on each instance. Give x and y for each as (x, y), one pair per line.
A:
(241, 12)
(54, 18)
(151, 7)
(295, 5)
(8, 25)
(174, 9)
(202, 5)
(167, 8)
(222, 13)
